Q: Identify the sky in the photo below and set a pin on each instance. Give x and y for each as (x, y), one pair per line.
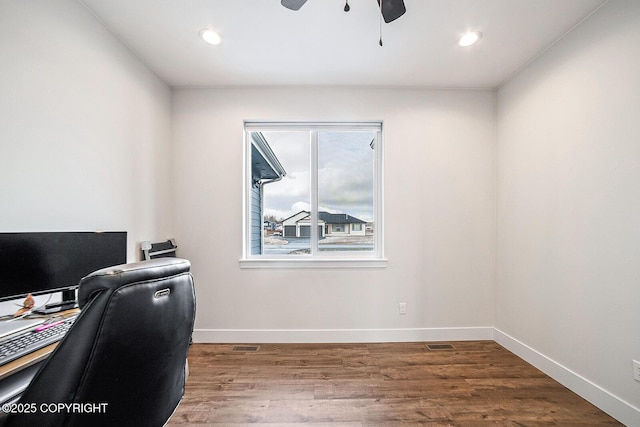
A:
(345, 173)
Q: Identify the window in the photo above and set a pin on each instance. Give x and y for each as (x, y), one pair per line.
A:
(313, 194)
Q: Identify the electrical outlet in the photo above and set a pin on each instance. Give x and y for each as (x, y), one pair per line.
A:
(636, 370)
(402, 308)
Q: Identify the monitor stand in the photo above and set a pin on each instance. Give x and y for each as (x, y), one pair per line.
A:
(68, 302)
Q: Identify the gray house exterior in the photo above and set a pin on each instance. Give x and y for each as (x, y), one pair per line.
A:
(329, 224)
(265, 169)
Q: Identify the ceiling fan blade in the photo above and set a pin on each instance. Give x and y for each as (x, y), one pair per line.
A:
(293, 4)
(391, 9)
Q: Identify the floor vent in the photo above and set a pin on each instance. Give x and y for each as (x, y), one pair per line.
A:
(440, 347)
(246, 348)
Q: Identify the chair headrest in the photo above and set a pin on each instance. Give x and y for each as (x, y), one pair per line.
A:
(111, 278)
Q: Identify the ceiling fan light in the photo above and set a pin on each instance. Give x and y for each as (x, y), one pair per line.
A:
(470, 38)
(211, 36)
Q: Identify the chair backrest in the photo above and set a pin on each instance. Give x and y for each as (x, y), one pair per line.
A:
(123, 361)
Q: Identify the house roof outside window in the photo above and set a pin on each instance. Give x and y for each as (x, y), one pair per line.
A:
(329, 218)
(332, 218)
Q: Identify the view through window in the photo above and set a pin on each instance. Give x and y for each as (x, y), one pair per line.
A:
(314, 190)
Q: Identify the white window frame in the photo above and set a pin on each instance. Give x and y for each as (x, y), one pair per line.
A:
(317, 258)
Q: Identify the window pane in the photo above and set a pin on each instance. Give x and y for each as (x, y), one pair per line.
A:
(283, 203)
(346, 190)
(313, 190)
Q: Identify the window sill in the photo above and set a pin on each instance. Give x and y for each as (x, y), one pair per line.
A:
(255, 263)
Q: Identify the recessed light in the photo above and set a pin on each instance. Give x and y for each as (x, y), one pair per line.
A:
(470, 38)
(211, 36)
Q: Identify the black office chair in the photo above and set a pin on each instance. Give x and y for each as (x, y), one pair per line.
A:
(123, 361)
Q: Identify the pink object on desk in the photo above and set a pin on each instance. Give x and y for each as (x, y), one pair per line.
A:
(47, 326)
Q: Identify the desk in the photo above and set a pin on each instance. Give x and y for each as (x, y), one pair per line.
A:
(25, 361)
(16, 375)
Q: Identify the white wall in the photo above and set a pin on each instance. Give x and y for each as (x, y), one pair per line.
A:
(86, 144)
(568, 277)
(84, 127)
(439, 171)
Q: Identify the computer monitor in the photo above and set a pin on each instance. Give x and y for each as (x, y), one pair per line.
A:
(44, 262)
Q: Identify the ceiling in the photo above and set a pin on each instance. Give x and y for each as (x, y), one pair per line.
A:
(267, 44)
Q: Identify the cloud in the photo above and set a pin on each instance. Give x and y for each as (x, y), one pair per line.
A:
(345, 174)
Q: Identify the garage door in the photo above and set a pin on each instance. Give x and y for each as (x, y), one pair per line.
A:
(305, 231)
(289, 231)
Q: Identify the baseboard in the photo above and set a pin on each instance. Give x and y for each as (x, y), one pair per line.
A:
(245, 336)
(619, 409)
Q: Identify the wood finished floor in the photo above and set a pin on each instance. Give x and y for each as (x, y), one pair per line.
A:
(396, 384)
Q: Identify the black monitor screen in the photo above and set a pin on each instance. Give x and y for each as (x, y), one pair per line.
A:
(45, 262)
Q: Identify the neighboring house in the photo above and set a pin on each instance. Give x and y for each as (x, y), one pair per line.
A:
(265, 168)
(269, 225)
(299, 225)
(342, 224)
